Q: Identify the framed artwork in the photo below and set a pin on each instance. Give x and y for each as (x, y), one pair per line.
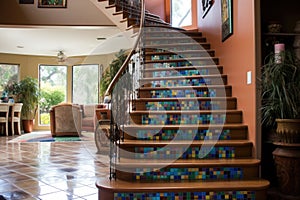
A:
(227, 26)
(206, 5)
(52, 3)
(26, 1)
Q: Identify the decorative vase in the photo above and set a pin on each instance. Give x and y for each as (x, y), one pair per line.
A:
(287, 160)
(287, 156)
(288, 130)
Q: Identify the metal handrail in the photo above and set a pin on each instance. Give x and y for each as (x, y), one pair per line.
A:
(132, 52)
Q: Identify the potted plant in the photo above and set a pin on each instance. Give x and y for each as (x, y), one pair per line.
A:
(28, 94)
(281, 94)
(112, 70)
(280, 86)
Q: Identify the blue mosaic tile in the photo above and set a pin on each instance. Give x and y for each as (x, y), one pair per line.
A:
(177, 119)
(172, 73)
(219, 195)
(179, 174)
(182, 93)
(181, 82)
(184, 134)
(183, 105)
(183, 153)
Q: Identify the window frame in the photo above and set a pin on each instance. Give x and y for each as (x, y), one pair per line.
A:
(194, 8)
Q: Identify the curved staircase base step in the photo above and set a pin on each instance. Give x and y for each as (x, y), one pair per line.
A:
(109, 189)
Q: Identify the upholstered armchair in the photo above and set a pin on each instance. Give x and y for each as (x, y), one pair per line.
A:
(65, 120)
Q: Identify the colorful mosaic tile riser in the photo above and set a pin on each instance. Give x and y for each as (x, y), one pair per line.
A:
(181, 82)
(183, 153)
(176, 119)
(179, 72)
(166, 134)
(185, 40)
(235, 195)
(182, 48)
(182, 93)
(178, 174)
(173, 55)
(171, 64)
(183, 105)
(186, 63)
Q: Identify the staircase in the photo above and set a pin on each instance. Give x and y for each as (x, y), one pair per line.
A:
(185, 138)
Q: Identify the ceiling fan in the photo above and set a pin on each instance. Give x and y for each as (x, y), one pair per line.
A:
(61, 57)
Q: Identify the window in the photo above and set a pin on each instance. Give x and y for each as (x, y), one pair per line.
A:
(181, 11)
(85, 84)
(53, 88)
(8, 73)
(184, 13)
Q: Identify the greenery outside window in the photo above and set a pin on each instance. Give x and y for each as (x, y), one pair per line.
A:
(53, 89)
(9, 73)
(181, 13)
(85, 84)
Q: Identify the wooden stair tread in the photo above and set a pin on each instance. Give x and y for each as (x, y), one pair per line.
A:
(176, 45)
(183, 68)
(188, 126)
(119, 185)
(185, 87)
(186, 112)
(171, 38)
(147, 19)
(188, 163)
(161, 143)
(183, 58)
(186, 99)
(183, 77)
(149, 53)
(169, 29)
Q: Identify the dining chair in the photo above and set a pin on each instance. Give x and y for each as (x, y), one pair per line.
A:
(4, 114)
(16, 117)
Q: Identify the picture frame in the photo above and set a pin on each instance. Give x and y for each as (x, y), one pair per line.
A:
(52, 3)
(206, 6)
(227, 22)
(26, 1)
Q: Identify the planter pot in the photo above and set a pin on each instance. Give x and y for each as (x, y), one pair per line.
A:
(27, 126)
(287, 160)
(288, 130)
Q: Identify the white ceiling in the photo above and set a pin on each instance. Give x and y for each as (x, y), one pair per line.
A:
(72, 40)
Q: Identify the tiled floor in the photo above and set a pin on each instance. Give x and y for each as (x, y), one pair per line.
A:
(50, 170)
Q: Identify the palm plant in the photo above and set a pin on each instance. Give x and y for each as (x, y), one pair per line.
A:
(113, 69)
(280, 88)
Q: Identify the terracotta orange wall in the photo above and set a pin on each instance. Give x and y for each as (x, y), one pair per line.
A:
(237, 54)
(156, 7)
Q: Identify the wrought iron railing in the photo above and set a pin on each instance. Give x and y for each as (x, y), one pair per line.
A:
(123, 86)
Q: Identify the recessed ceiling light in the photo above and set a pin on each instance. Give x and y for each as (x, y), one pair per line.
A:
(20, 47)
(101, 38)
